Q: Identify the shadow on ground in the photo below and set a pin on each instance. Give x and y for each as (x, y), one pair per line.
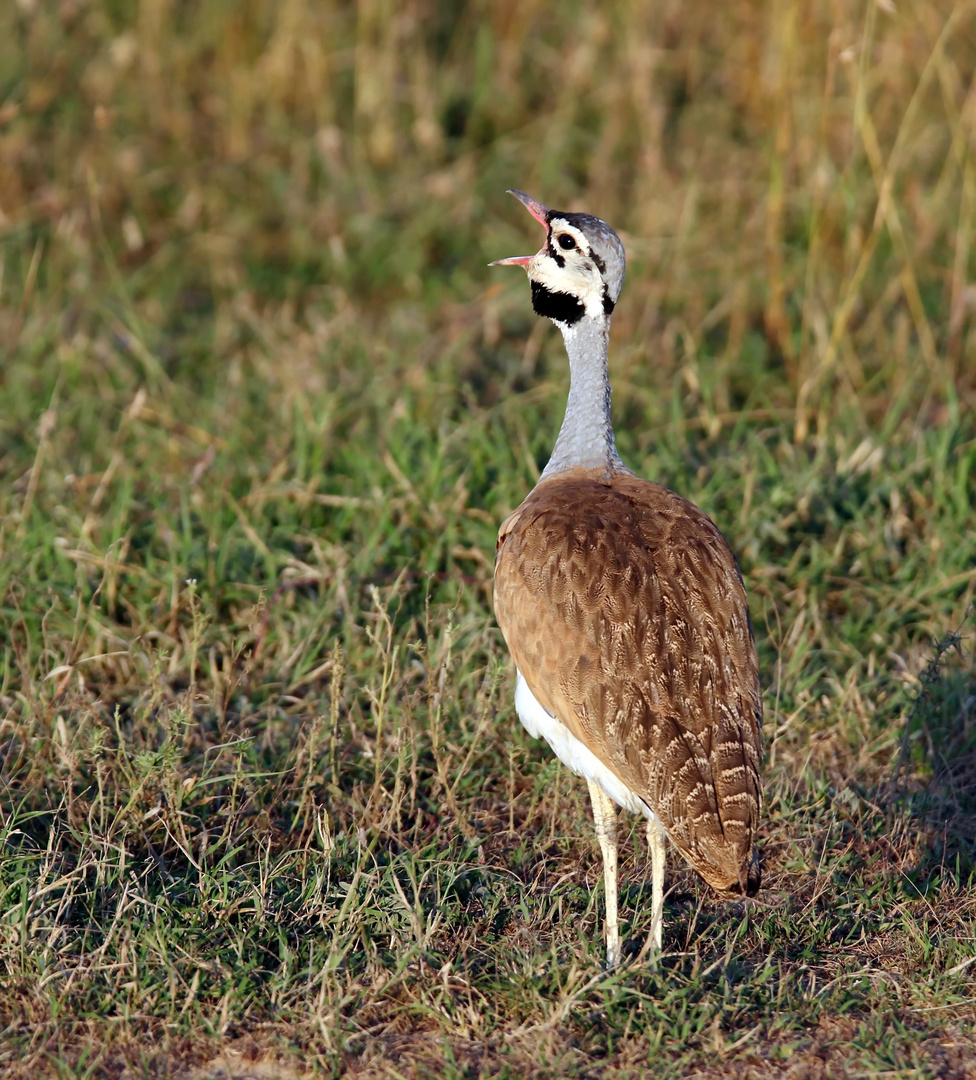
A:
(940, 741)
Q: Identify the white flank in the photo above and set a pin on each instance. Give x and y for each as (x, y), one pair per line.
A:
(572, 753)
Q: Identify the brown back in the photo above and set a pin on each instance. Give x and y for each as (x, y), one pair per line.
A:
(625, 612)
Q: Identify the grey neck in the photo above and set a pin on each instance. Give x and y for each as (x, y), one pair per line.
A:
(585, 439)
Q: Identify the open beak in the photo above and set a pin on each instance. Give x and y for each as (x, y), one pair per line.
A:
(540, 213)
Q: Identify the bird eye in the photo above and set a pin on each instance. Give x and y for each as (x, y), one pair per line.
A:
(566, 241)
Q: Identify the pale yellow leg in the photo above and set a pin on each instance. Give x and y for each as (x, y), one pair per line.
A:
(605, 818)
(656, 838)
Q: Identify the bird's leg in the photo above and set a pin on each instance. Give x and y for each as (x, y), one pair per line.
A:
(656, 842)
(605, 818)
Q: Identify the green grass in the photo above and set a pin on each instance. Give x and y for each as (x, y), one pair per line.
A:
(263, 796)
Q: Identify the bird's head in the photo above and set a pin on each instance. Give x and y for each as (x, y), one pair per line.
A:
(578, 271)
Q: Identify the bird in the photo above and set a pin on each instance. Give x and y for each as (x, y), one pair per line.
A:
(625, 613)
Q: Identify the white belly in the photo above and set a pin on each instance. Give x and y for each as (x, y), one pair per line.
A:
(571, 752)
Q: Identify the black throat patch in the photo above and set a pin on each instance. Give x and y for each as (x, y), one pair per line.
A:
(560, 306)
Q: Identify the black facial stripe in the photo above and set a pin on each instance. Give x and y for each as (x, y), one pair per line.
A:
(560, 306)
(608, 304)
(556, 257)
(600, 263)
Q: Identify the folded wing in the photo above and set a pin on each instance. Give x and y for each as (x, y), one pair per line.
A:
(625, 612)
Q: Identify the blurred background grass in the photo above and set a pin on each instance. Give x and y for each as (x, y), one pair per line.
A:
(794, 180)
(263, 405)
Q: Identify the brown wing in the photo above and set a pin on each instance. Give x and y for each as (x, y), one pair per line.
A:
(625, 612)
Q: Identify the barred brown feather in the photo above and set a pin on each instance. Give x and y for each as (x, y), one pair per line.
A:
(625, 612)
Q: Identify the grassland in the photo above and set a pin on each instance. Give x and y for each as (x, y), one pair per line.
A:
(264, 804)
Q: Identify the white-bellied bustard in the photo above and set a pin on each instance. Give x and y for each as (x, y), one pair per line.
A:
(625, 611)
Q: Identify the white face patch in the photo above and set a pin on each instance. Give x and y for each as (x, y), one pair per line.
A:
(565, 265)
